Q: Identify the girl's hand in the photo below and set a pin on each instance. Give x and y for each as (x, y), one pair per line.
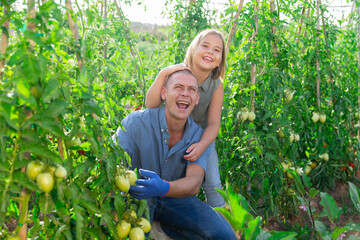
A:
(194, 152)
(173, 68)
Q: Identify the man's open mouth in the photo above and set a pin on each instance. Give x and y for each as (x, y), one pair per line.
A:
(182, 104)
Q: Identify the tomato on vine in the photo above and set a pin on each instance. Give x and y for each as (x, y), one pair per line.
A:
(122, 183)
(60, 172)
(45, 182)
(123, 228)
(144, 225)
(136, 233)
(132, 177)
(33, 169)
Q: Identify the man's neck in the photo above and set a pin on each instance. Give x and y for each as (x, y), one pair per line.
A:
(176, 131)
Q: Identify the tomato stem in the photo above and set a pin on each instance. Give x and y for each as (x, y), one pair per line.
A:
(23, 211)
(11, 172)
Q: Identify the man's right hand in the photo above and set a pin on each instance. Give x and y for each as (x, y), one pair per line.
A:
(151, 186)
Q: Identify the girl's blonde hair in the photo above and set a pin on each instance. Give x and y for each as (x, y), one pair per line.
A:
(218, 71)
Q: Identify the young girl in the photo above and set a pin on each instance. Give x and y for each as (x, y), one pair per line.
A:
(206, 59)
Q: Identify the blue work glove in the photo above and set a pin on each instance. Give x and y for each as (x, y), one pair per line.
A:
(151, 186)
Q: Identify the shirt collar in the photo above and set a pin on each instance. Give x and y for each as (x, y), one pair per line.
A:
(162, 118)
(187, 133)
(205, 85)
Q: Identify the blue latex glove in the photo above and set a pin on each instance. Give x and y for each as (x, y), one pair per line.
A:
(151, 186)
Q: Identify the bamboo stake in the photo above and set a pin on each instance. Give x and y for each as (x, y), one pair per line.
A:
(301, 23)
(317, 59)
(358, 23)
(75, 32)
(253, 64)
(326, 42)
(4, 41)
(351, 11)
(105, 43)
(23, 205)
(31, 26)
(233, 27)
(122, 23)
(132, 51)
(273, 28)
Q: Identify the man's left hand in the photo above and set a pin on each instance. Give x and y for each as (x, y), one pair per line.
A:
(151, 186)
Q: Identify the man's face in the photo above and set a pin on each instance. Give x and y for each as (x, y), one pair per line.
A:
(181, 95)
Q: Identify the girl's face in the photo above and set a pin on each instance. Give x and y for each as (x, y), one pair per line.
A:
(208, 54)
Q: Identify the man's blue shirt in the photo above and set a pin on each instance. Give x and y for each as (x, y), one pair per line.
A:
(146, 141)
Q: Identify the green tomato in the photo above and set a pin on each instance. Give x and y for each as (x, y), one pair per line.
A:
(60, 172)
(144, 225)
(75, 142)
(315, 117)
(45, 182)
(132, 177)
(251, 116)
(123, 229)
(244, 116)
(33, 169)
(281, 133)
(122, 183)
(308, 170)
(322, 118)
(357, 115)
(289, 96)
(136, 234)
(130, 216)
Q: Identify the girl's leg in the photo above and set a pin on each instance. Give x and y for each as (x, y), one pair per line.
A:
(212, 180)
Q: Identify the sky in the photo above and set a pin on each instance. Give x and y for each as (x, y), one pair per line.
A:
(150, 11)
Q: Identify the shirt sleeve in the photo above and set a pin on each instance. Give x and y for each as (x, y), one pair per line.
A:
(123, 136)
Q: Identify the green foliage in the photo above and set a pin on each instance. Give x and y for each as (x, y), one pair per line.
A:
(47, 103)
(243, 222)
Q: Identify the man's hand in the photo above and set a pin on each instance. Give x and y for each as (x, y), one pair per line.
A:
(194, 152)
(151, 186)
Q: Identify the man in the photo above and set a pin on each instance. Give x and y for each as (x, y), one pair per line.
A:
(156, 140)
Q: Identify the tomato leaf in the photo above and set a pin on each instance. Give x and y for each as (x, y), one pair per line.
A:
(354, 195)
(321, 228)
(89, 203)
(23, 180)
(353, 226)
(253, 228)
(119, 204)
(51, 126)
(331, 210)
(235, 224)
(41, 151)
(282, 235)
(79, 213)
(59, 232)
(54, 109)
(108, 218)
(46, 203)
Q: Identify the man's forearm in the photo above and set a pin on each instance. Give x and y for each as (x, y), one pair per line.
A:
(189, 185)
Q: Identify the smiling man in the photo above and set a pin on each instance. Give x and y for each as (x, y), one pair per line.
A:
(156, 140)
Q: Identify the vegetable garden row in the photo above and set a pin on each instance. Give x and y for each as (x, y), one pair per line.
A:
(71, 71)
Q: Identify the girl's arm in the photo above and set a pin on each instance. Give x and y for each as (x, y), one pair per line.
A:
(153, 99)
(212, 130)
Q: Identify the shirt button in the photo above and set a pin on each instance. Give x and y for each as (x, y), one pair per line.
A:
(162, 130)
(165, 141)
(166, 160)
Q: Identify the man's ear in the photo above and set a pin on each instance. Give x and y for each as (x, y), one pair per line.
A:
(197, 98)
(163, 93)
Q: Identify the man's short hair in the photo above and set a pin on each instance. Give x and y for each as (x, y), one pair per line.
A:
(184, 71)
